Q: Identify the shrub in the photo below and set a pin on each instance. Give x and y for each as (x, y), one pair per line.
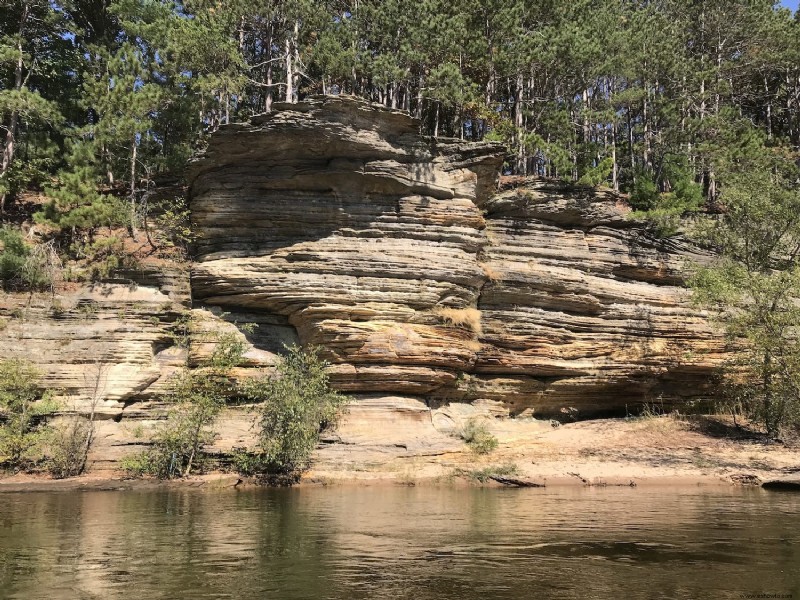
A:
(67, 446)
(177, 445)
(199, 396)
(23, 408)
(297, 405)
(102, 258)
(173, 221)
(24, 266)
(487, 473)
(477, 436)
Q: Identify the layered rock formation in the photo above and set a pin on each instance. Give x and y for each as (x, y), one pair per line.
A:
(393, 253)
(333, 223)
(114, 343)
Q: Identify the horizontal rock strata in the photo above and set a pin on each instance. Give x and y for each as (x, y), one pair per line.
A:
(393, 253)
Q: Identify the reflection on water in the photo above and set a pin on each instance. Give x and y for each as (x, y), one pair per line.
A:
(392, 542)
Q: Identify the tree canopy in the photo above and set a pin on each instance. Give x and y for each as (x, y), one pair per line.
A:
(639, 95)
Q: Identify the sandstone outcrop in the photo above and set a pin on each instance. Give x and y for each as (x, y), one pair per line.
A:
(393, 253)
(435, 297)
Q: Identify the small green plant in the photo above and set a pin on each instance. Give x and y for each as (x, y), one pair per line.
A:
(25, 266)
(137, 465)
(87, 309)
(297, 403)
(24, 407)
(487, 473)
(57, 308)
(181, 330)
(173, 221)
(198, 397)
(103, 257)
(246, 462)
(67, 445)
(137, 432)
(477, 436)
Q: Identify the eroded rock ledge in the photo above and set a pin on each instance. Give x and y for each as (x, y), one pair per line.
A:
(392, 253)
(333, 223)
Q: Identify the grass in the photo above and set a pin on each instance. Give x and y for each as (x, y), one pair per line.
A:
(491, 273)
(468, 318)
(477, 436)
(485, 474)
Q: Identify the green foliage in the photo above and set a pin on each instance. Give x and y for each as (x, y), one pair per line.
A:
(753, 290)
(297, 403)
(22, 266)
(75, 201)
(598, 174)
(23, 408)
(66, 446)
(592, 92)
(13, 255)
(295, 406)
(665, 211)
(645, 194)
(173, 222)
(199, 396)
(102, 257)
(487, 473)
(477, 436)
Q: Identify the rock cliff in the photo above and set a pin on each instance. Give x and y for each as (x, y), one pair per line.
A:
(394, 254)
(333, 223)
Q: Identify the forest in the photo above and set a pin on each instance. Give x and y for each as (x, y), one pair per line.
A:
(649, 97)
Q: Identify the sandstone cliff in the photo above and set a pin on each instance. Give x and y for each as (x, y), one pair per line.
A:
(393, 253)
(333, 223)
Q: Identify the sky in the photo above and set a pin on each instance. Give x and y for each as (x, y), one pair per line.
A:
(790, 4)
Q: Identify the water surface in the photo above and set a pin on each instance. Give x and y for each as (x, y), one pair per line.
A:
(397, 542)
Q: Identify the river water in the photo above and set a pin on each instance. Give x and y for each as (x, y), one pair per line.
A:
(395, 542)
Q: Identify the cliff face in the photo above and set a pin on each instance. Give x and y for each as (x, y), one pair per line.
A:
(333, 223)
(392, 253)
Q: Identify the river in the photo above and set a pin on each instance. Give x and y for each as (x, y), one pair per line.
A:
(401, 542)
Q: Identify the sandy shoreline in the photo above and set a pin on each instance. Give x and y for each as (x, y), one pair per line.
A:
(658, 451)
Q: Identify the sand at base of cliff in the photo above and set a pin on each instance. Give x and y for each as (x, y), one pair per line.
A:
(655, 450)
(664, 450)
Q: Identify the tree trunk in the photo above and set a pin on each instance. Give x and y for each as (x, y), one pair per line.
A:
(9, 146)
(134, 150)
(630, 142)
(268, 75)
(614, 166)
(518, 125)
(296, 61)
(646, 128)
(289, 75)
(769, 108)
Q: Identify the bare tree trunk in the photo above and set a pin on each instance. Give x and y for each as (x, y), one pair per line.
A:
(418, 108)
(614, 166)
(769, 108)
(134, 150)
(9, 146)
(289, 75)
(630, 142)
(268, 98)
(296, 61)
(646, 128)
(518, 125)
